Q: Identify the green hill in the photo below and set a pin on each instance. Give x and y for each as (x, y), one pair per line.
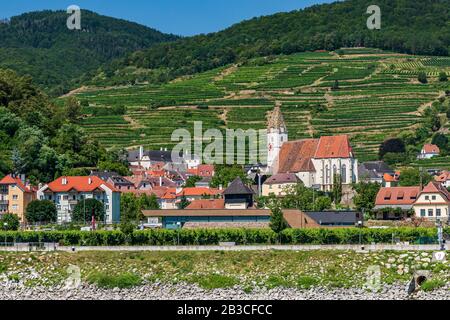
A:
(408, 26)
(378, 97)
(40, 44)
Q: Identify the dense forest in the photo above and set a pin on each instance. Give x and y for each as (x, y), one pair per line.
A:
(407, 26)
(40, 44)
(42, 140)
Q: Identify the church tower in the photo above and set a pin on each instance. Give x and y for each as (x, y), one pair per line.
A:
(277, 134)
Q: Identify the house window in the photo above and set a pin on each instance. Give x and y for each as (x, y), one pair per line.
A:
(422, 212)
(15, 207)
(430, 212)
(15, 197)
(438, 212)
(427, 198)
(65, 197)
(433, 198)
(344, 173)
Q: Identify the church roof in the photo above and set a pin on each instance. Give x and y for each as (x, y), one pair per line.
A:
(276, 120)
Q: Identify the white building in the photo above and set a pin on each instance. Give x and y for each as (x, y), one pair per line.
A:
(433, 202)
(315, 161)
(429, 151)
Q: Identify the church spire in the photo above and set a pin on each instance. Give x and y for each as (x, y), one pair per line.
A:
(276, 120)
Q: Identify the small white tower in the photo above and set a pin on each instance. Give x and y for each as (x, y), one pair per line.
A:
(277, 134)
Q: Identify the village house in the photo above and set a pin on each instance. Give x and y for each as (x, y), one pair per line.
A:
(374, 171)
(15, 195)
(146, 159)
(433, 202)
(173, 196)
(238, 196)
(391, 180)
(444, 178)
(399, 201)
(67, 192)
(429, 151)
(114, 179)
(315, 161)
(278, 184)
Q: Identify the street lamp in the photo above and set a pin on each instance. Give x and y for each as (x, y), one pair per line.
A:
(360, 225)
(5, 224)
(179, 229)
(440, 235)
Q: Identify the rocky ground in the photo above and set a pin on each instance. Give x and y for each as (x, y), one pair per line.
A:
(157, 291)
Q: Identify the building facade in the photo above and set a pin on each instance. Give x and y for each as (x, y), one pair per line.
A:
(433, 202)
(15, 196)
(67, 192)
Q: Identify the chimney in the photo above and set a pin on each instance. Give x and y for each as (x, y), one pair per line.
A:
(160, 181)
(141, 152)
(165, 149)
(22, 178)
(220, 187)
(161, 149)
(64, 181)
(90, 180)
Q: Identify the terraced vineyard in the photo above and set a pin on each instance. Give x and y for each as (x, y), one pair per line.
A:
(378, 97)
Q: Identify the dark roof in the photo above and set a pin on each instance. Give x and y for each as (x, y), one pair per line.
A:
(378, 166)
(238, 187)
(121, 181)
(154, 155)
(335, 217)
(104, 175)
(282, 178)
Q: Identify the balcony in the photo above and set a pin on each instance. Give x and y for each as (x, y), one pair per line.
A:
(4, 202)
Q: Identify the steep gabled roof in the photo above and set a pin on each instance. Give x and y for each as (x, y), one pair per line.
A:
(282, 178)
(436, 187)
(296, 156)
(431, 148)
(237, 187)
(334, 147)
(9, 179)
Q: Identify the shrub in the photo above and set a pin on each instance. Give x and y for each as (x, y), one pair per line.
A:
(105, 280)
(9, 222)
(432, 284)
(215, 281)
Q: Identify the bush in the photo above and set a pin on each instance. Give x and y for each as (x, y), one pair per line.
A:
(105, 280)
(214, 236)
(9, 222)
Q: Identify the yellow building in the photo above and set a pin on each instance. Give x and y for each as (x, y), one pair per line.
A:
(15, 196)
(279, 183)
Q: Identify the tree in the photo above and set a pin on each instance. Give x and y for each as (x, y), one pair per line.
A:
(148, 202)
(225, 174)
(335, 85)
(441, 141)
(191, 181)
(412, 177)
(73, 109)
(443, 77)
(422, 77)
(184, 202)
(394, 145)
(322, 203)
(9, 222)
(366, 193)
(395, 158)
(42, 211)
(84, 210)
(277, 221)
(118, 167)
(129, 208)
(337, 189)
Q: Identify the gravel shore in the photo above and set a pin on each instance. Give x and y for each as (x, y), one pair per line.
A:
(156, 291)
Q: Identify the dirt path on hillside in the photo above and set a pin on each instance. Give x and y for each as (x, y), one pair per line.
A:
(134, 124)
(224, 116)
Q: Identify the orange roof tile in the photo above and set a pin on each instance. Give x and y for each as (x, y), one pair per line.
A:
(430, 148)
(207, 204)
(9, 179)
(397, 196)
(436, 187)
(198, 191)
(295, 156)
(333, 147)
(80, 184)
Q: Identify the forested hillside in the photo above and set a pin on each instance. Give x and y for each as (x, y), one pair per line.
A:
(40, 139)
(40, 44)
(408, 26)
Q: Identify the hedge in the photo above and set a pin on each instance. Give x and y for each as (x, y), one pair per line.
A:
(214, 236)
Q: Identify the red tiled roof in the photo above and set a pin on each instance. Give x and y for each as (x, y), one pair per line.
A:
(444, 176)
(430, 148)
(198, 191)
(436, 187)
(203, 170)
(80, 184)
(333, 147)
(11, 180)
(295, 156)
(157, 191)
(207, 204)
(390, 178)
(397, 196)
